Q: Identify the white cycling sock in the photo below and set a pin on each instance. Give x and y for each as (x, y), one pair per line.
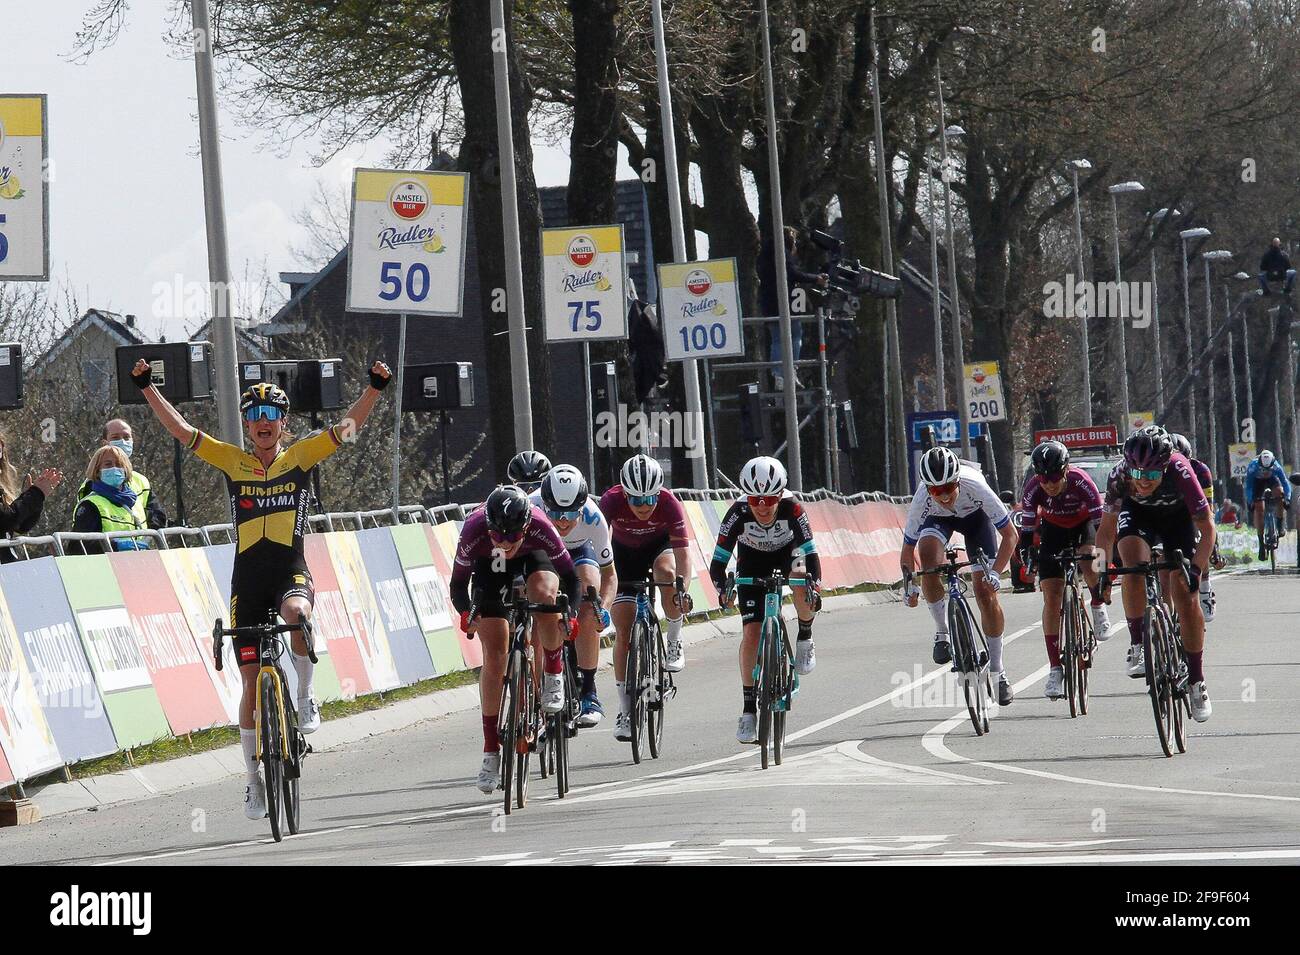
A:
(939, 611)
(624, 698)
(305, 670)
(248, 742)
(995, 654)
(674, 630)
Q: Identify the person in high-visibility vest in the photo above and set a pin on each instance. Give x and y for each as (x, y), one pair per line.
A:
(111, 505)
(118, 434)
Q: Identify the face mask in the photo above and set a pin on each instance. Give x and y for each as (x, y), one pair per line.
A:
(113, 477)
(125, 444)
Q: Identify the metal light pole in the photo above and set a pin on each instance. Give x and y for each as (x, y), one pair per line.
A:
(1232, 363)
(1075, 165)
(1155, 316)
(1132, 186)
(699, 470)
(214, 212)
(941, 387)
(1218, 255)
(1197, 233)
(954, 299)
(522, 391)
(894, 422)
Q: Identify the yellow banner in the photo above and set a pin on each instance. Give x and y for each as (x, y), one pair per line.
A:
(607, 238)
(720, 270)
(20, 115)
(445, 188)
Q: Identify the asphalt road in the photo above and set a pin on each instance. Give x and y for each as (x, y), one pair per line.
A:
(881, 765)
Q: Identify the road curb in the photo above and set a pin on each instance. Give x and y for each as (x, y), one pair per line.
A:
(185, 772)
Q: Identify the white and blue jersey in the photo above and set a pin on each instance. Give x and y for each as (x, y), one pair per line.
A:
(1260, 478)
(588, 540)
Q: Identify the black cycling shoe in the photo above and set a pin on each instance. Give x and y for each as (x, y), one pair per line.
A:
(1262, 555)
(1005, 693)
(942, 651)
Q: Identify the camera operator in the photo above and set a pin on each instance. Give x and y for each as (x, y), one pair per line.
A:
(769, 303)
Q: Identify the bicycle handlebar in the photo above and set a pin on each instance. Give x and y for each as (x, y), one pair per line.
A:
(259, 630)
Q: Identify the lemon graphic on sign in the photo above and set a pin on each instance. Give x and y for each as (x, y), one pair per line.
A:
(719, 308)
(434, 244)
(602, 284)
(10, 189)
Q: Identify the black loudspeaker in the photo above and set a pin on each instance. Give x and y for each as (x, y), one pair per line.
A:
(751, 414)
(182, 371)
(604, 389)
(11, 376)
(312, 384)
(445, 386)
(848, 429)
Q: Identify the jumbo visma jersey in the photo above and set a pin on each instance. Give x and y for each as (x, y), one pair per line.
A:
(268, 505)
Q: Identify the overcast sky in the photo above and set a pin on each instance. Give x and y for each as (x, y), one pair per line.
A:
(126, 201)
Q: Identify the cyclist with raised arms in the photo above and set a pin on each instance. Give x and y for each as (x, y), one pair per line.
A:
(1262, 474)
(1153, 497)
(507, 538)
(648, 527)
(1071, 511)
(270, 492)
(563, 497)
(1206, 479)
(954, 497)
(526, 470)
(769, 530)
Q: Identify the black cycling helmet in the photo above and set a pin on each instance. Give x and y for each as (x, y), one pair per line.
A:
(1181, 444)
(264, 393)
(508, 510)
(1148, 449)
(1050, 459)
(528, 468)
(564, 489)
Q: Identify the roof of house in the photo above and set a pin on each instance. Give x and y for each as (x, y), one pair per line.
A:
(113, 324)
(251, 345)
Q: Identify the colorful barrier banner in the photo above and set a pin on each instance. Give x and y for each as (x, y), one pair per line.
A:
(202, 603)
(427, 587)
(340, 674)
(383, 568)
(61, 674)
(25, 736)
(363, 609)
(442, 542)
(120, 670)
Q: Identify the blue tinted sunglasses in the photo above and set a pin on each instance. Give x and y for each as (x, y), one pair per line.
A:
(648, 500)
(563, 515)
(269, 412)
(1140, 475)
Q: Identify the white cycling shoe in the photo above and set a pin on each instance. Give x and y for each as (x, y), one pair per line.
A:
(255, 799)
(747, 728)
(1054, 688)
(489, 774)
(308, 715)
(1198, 701)
(1207, 601)
(552, 692)
(1135, 664)
(805, 657)
(674, 656)
(623, 728)
(1100, 623)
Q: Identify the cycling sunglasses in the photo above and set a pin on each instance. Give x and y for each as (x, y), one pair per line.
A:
(1053, 478)
(505, 539)
(764, 500)
(1138, 474)
(269, 412)
(563, 515)
(938, 490)
(648, 500)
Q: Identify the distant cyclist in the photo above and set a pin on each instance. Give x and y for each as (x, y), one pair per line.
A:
(526, 470)
(769, 531)
(1071, 509)
(1153, 497)
(1206, 479)
(955, 498)
(1262, 474)
(575, 514)
(507, 538)
(648, 527)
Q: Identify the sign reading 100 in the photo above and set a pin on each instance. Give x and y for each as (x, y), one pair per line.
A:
(704, 337)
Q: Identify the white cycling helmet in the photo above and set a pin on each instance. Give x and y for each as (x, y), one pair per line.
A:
(938, 466)
(563, 488)
(1266, 459)
(641, 476)
(763, 476)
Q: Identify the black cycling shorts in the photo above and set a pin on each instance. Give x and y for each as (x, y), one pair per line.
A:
(633, 564)
(758, 563)
(494, 589)
(256, 595)
(1052, 539)
(1174, 529)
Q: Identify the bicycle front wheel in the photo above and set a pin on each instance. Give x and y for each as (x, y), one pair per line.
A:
(654, 710)
(527, 727)
(781, 698)
(272, 752)
(970, 669)
(636, 666)
(1158, 688)
(507, 727)
(765, 688)
(293, 773)
(1070, 649)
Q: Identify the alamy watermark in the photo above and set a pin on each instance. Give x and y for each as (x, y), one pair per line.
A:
(636, 429)
(1128, 301)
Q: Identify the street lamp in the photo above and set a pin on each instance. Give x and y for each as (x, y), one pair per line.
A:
(1185, 236)
(1218, 255)
(1156, 217)
(1075, 166)
(958, 350)
(1117, 189)
(941, 388)
(1245, 356)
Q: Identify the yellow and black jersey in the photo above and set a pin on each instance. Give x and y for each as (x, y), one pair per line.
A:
(268, 505)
